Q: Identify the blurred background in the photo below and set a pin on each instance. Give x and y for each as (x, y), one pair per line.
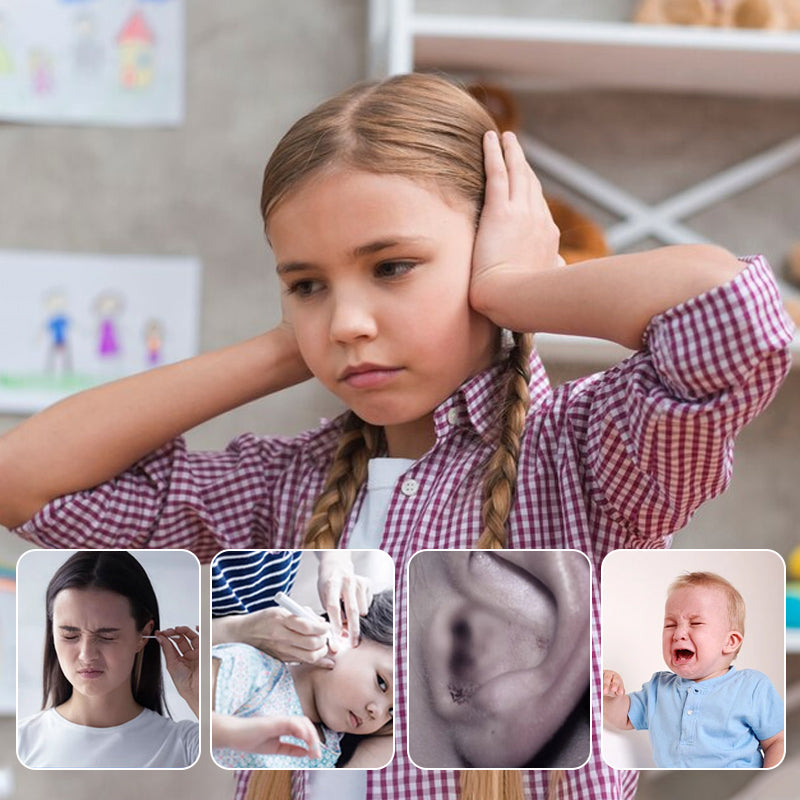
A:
(252, 67)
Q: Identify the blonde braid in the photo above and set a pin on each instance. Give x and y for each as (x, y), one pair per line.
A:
(358, 443)
(500, 478)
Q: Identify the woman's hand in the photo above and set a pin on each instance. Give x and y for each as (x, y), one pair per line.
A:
(262, 735)
(516, 233)
(338, 586)
(278, 633)
(182, 655)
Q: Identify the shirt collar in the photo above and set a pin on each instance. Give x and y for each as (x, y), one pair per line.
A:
(478, 403)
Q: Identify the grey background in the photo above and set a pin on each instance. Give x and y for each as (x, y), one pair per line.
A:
(254, 66)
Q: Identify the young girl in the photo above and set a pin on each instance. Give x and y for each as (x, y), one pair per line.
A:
(408, 235)
(355, 697)
(103, 692)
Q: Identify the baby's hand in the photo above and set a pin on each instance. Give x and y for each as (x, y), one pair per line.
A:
(612, 684)
(516, 233)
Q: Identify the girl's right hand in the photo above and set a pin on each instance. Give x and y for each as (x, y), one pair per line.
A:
(612, 684)
(262, 735)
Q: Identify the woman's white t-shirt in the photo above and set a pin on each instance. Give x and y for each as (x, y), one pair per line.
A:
(47, 740)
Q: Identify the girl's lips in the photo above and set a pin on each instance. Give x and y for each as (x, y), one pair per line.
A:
(369, 376)
(355, 721)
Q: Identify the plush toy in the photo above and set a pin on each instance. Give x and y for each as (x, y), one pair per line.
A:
(581, 237)
(753, 14)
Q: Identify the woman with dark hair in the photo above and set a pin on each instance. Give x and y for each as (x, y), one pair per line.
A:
(103, 694)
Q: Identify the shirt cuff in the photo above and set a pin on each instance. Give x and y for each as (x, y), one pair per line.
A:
(718, 339)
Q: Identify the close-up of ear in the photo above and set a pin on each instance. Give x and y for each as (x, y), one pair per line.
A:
(499, 658)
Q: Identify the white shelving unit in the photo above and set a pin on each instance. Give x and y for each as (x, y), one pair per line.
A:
(550, 53)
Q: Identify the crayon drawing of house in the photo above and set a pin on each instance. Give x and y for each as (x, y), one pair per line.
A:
(136, 53)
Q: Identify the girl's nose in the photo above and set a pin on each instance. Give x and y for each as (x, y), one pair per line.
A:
(352, 318)
(380, 709)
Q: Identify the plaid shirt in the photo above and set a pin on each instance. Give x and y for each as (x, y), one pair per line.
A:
(618, 459)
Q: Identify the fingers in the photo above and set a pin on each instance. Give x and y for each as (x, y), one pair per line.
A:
(612, 684)
(496, 173)
(179, 642)
(332, 602)
(302, 728)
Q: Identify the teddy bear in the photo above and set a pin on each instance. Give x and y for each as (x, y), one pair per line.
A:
(753, 14)
(581, 237)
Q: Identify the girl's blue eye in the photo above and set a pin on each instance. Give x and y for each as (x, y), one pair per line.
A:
(394, 269)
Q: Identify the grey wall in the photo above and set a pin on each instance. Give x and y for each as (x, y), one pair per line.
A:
(253, 67)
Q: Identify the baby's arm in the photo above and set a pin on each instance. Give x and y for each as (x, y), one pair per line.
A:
(518, 283)
(94, 435)
(616, 703)
(773, 750)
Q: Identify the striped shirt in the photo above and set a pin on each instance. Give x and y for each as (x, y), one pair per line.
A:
(247, 581)
(622, 458)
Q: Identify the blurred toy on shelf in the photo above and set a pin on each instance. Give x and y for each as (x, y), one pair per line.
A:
(581, 237)
(793, 589)
(777, 15)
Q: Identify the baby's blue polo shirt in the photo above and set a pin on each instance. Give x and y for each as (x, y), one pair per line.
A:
(713, 723)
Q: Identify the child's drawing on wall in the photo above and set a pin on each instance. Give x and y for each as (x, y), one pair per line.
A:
(72, 321)
(136, 49)
(57, 326)
(154, 342)
(108, 308)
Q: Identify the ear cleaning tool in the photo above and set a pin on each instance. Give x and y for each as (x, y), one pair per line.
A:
(293, 607)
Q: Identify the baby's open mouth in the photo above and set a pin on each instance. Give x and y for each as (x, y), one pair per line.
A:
(683, 655)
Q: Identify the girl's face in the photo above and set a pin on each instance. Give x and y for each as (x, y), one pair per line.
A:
(357, 695)
(96, 641)
(498, 653)
(376, 273)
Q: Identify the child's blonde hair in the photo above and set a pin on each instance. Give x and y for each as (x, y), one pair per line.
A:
(736, 606)
(430, 130)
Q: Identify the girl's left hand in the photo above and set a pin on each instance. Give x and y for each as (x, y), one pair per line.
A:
(516, 233)
(182, 655)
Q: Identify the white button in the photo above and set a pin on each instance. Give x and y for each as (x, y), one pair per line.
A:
(452, 416)
(410, 487)
(689, 712)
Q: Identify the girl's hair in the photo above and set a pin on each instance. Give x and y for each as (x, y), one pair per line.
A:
(119, 572)
(430, 130)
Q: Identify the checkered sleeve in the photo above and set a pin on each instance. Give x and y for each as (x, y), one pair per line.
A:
(174, 498)
(659, 428)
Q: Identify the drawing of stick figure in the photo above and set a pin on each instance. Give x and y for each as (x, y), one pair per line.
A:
(153, 342)
(57, 325)
(108, 306)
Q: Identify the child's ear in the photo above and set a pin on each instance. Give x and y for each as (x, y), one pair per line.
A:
(732, 643)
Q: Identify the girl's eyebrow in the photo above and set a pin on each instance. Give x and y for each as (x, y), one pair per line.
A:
(370, 248)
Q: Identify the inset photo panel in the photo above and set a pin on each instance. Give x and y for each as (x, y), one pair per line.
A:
(302, 661)
(108, 671)
(499, 657)
(694, 661)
